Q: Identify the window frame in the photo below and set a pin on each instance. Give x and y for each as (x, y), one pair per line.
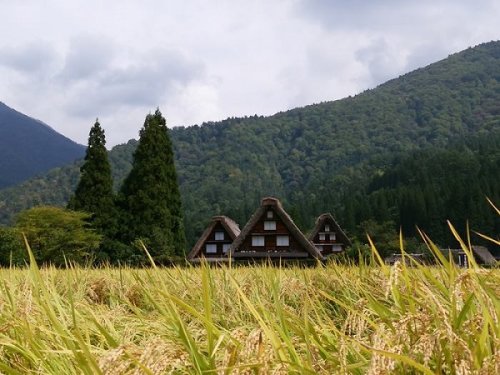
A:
(212, 245)
(282, 237)
(261, 242)
(269, 225)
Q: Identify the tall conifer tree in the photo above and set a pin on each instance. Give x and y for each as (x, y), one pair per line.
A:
(94, 193)
(150, 194)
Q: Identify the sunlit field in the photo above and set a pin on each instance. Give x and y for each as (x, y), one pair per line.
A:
(251, 320)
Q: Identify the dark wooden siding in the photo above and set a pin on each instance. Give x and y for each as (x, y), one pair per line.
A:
(270, 237)
(219, 243)
(327, 245)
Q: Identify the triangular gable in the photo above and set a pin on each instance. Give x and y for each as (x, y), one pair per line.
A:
(223, 224)
(258, 242)
(330, 241)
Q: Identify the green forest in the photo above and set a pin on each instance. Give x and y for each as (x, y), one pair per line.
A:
(415, 151)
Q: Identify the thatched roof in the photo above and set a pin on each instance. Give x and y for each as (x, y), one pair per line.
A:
(483, 254)
(310, 250)
(229, 225)
(319, 224)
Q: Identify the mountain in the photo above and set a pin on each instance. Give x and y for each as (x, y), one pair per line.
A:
(424, 188)
(313, 157)
(29, 147)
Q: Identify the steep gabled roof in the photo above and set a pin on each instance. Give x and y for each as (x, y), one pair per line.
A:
(484, 254)
(229, 225)
(319, 224)
(480, 253)
(287, 221)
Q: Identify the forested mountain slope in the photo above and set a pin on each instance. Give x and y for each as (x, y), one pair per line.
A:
(313, 156)
(426, 188)
(29, 147)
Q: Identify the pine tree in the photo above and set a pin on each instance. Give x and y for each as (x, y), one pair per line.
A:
(150, 197)
(94, 193)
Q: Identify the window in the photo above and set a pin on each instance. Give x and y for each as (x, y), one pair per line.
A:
(225, 247)
(319, 247)
(336, 248)
(219, 236)
(269, 225)
(333, 237)
(322, 237)
(257, 240)
(211, 248)
(327, 228)
(282, 241)
(269, 214)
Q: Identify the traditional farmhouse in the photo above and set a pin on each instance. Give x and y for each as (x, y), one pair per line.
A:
(327, 236)
(214, 243)
(481, 254)
(271, 234)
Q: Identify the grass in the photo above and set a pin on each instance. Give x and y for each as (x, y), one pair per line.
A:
(252, 320)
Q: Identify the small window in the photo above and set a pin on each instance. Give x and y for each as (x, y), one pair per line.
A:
(269, 214)
(322, 237)
(257, 240)
(211, 248)
(219, 236)
(282, 241)
(269, 225)
(319, 247)
(333, 237)
(225, 247)
(336, 248)
(327, 228)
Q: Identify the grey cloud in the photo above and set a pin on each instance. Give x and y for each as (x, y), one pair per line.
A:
(87, 56)
(379, 61)
(384, 14)
(426, 54)
(37, 57)
(144, 83)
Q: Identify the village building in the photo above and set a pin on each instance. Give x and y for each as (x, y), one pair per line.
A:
(328, 237)
(271, 234)
(482, 256)
(215, 242)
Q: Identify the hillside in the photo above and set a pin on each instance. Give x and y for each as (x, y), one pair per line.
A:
(425, 188)
(313, 156)
(29, 147)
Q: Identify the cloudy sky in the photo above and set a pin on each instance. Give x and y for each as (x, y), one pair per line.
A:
(68, 62)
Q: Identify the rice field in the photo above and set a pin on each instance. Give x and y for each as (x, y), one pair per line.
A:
(333, 319)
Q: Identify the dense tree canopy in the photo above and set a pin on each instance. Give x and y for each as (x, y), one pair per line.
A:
(149, 197)
(426, 188)
(57, 235)
(94, 192)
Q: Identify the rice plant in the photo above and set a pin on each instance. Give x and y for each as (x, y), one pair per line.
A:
(329, 319)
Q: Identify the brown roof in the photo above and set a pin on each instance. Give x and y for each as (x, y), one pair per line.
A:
(480, 253)
(229, 225)
(483, 253)
(319, 223)
(287, 220)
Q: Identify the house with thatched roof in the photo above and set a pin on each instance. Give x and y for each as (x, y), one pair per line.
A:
(215, 242)
(271, 234)
(481, 254)
(327, 236)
